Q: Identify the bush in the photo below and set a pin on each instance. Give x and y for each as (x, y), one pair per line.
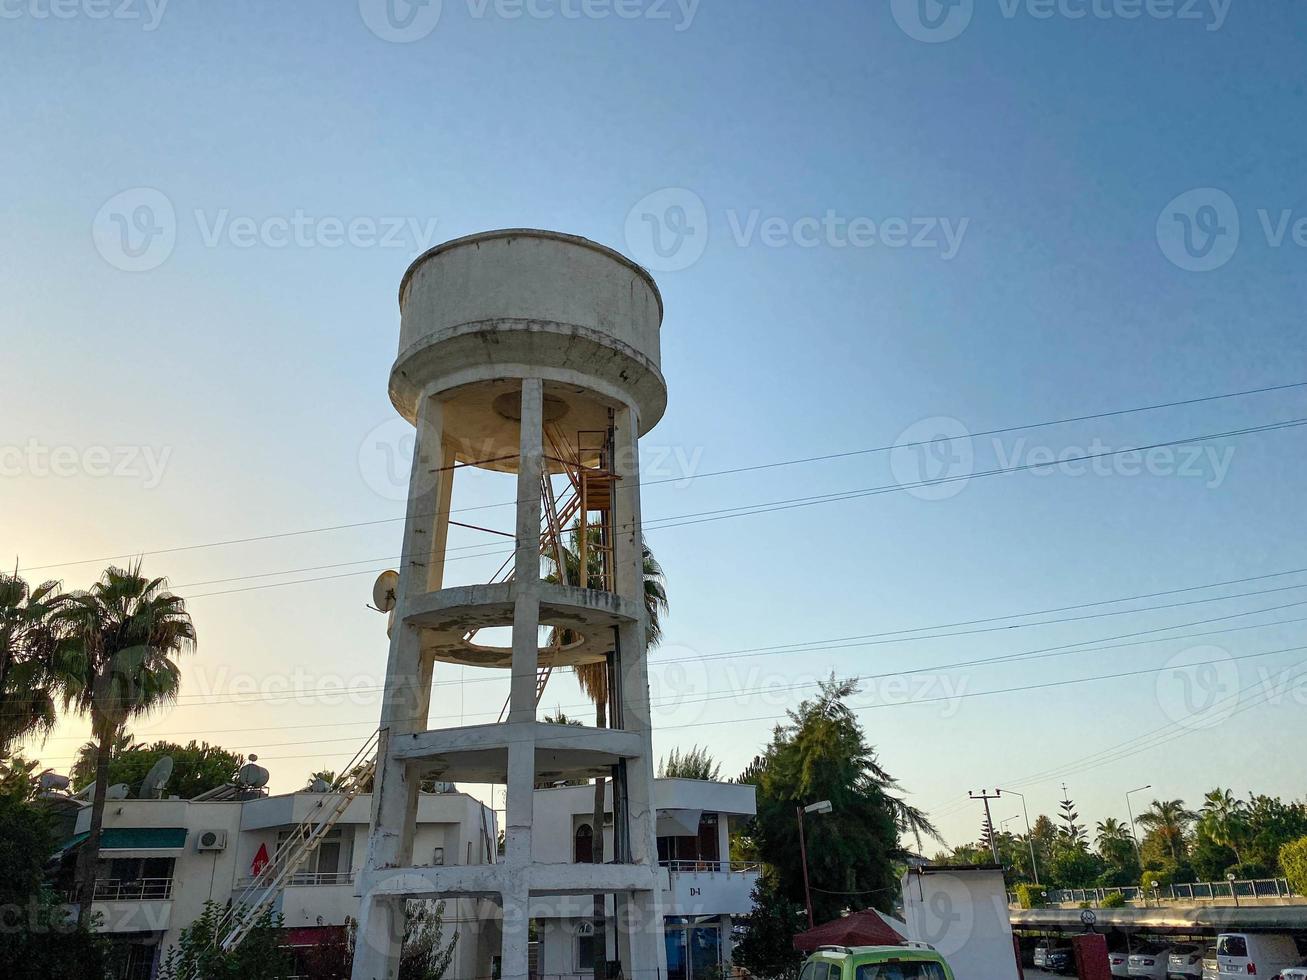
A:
(1030, 896)
(1293, 859)
(1113, 900)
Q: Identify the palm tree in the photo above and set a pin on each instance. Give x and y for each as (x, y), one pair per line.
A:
(1110, 834)
(593, 678)
(1224, 817)
(115, 664)
(28, 633)
(1169, 820)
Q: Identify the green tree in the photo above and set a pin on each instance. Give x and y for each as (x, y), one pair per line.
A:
(425, 954)
(28, 635)
(19, 778)
(1293, 860)
(1168, 822)
(197, 767)
(766, 947)
(1116, 848)
(37, 939)
(1272, 823)
(116, 663)
(694, 763)
(83, 771)
(1224, 819)
(1071, 828)
(1073, 866)
(822, 754)
(198, 956)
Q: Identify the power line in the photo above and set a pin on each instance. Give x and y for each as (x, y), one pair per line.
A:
(689, 477)
(871, 639)
(1042, 653)
(582, 734)
(748, 510)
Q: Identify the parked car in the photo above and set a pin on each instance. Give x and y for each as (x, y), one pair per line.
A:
(1211, 968)
(1049, 948)
(1119, 963)
(1252, 954)
(1150, 960)
(1060, 959)
(1185, 962)
(1298, 972)
(912, 962)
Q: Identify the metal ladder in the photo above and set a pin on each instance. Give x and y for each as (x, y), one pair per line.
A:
(243, 914)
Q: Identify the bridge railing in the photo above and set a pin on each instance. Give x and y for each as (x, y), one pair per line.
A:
(1202, 891)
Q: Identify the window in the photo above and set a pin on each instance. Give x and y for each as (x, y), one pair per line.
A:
(585, 952)
(583, 845)
(809, 972)
(1232, 946)
(900, 971)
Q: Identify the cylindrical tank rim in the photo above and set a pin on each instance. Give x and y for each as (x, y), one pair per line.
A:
(481, 236)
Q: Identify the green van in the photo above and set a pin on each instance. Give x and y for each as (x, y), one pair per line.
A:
(913, 962)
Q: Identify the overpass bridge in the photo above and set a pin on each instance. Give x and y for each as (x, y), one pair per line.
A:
(1197, 910)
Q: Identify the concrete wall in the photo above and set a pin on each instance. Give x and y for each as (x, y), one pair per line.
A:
(963, 913)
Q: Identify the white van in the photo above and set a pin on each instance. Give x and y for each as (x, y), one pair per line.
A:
(1253, 954)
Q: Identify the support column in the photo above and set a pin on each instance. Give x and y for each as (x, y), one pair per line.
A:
(406, 701)
(639, 915)
(522, 695)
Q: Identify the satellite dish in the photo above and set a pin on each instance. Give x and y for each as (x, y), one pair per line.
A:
(255, 777)
(320, 786)
(53, 781)
(156, 778)
(384, 591)
(118, 791)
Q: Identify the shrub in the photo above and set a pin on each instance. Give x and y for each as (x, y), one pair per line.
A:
(1030, 896)
(1113, 900)
(1293, 859)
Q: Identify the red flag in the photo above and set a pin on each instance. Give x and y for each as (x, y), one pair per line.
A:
(260, 860)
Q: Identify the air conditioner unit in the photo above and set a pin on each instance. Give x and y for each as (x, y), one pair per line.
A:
(211, 840)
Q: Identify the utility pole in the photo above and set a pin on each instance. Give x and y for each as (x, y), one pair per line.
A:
(985, 797)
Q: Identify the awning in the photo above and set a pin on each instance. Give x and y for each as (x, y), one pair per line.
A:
(132, 839)
(678, 823)
(867, 928)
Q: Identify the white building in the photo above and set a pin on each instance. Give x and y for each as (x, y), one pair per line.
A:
(161, 860)
(703, 891)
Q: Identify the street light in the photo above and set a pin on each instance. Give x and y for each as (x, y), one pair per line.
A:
(1002, 824)
(1133, 836)
(1030, 838)
(822, 806)
(1229, 876)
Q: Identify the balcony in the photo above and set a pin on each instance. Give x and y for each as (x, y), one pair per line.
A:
(307, 879)
(137, 890)
(711, 887)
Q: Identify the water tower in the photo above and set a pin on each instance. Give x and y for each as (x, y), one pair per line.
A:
(534, 354)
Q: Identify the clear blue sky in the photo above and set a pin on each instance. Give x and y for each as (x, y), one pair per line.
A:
(1053, 145)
